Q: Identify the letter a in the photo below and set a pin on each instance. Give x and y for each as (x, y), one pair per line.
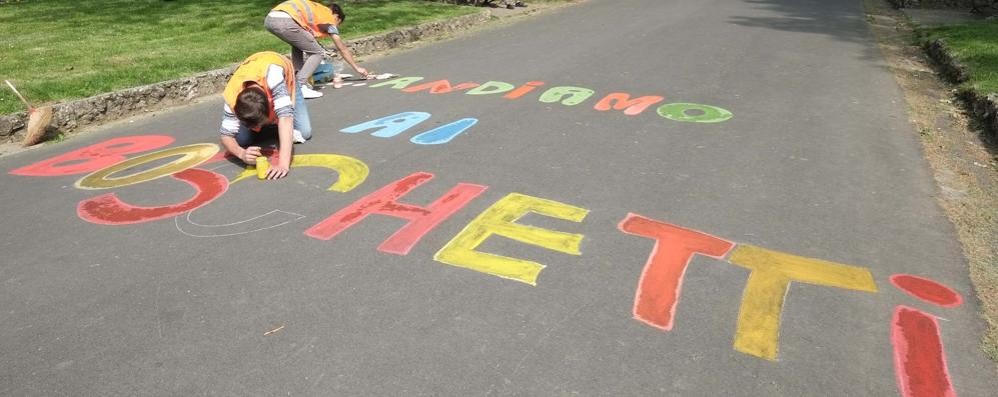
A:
(391, 125)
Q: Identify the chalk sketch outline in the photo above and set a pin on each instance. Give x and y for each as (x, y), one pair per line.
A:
(176, 222)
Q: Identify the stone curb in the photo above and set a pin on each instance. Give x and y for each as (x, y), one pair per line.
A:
(969, 4)
(69, 116)
(983, 108)
(952, 69)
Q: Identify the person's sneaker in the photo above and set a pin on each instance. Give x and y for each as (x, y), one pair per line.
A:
(297, 138)
(309, 93)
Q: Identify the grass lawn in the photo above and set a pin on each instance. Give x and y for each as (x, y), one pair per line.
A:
(976, 45)
(54, 50)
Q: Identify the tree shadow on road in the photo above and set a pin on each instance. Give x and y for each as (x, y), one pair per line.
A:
(841, 20)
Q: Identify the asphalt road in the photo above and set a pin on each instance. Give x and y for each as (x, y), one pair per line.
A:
(245, 295)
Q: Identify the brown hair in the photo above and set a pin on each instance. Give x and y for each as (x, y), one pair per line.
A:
(338, 11)
(252, 107)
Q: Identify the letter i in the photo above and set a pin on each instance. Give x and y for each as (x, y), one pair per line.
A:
(523, 89)
(919, 359)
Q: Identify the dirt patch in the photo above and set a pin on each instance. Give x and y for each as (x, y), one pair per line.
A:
(964, 162)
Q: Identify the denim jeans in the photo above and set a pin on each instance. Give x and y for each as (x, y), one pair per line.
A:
(302, 122)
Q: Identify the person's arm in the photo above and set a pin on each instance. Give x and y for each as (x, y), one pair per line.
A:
(347, 56)
(285, 129)
(285, 111)
(247, 155)
(230, 127)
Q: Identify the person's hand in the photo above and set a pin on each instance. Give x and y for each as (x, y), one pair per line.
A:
(277, 172)
(250, 154)
(363, 71)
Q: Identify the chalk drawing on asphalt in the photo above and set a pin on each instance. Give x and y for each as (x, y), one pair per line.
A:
(270, 220)
(920, 367)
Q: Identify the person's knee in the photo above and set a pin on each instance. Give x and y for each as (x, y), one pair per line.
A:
(244, 140)
(305, 128)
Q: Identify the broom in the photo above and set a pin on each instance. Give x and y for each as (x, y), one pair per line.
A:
(38, 119)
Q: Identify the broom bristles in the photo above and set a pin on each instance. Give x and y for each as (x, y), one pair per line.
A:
(38, 122)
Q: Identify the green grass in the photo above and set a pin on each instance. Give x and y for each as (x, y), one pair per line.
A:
(976, 45)
(55, 50)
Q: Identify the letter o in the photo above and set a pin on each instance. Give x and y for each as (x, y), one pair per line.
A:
(677, 112)
(190, 156)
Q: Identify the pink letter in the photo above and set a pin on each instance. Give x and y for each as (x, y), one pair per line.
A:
(94, 157)
(623, 101)
(421, 220)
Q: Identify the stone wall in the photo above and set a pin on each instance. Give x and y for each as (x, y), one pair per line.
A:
(982, 107)
(990, 6)
(69, 116)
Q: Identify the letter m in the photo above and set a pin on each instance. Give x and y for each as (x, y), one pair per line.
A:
(623, 101)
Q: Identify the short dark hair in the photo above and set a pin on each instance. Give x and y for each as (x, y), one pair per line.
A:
(338, 11)
(252, 107)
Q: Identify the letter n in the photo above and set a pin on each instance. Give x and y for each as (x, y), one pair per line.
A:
(440, 87)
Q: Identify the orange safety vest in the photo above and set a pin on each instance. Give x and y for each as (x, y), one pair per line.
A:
(309, 15)
(254, 70)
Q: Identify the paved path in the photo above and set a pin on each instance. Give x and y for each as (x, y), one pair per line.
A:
(748, 255)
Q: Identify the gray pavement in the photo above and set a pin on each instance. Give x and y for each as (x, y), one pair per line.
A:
(817, 161)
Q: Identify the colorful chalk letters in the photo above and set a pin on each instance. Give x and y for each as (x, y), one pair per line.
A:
(390, 126)
(568, 96)
(919, 357)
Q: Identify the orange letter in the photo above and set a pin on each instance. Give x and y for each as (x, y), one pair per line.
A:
(662, 278)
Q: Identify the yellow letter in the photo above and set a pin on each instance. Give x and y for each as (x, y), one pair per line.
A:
(758, 329)
(191, 155)
(498, 219)
(352, 172)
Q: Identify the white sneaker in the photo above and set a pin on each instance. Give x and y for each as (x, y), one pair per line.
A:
(297, 138)
(309, 93)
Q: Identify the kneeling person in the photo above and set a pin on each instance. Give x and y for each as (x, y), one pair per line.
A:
(260, 94)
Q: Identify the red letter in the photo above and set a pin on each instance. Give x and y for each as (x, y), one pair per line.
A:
(662, 278)
(108, 209)
(919, 361)
(94, 157)
(927, 290)
(421, 220)
(622, 101)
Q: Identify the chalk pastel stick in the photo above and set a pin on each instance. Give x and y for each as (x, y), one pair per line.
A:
(262, 166)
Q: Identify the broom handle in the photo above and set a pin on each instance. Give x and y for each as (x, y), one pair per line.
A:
(18, 93)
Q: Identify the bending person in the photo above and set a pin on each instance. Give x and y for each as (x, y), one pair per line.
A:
(301, 23)
(259, 94)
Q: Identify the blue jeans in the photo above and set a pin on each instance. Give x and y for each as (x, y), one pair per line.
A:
(302, 122)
